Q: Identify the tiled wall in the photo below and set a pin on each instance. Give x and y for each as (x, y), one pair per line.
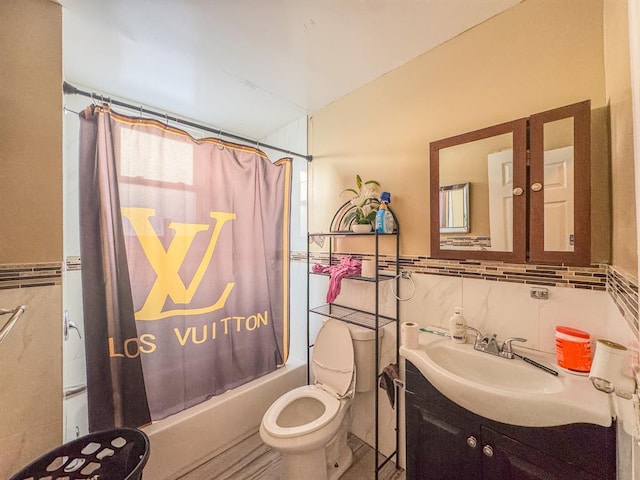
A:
(30, 275)
(624, 291)
(496, 298)
(31, 359)
(483, 242)
(621, 287)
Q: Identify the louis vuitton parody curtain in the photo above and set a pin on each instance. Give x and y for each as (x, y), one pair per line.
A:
(185, 262)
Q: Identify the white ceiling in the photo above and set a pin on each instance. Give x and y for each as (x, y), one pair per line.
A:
(251, 66)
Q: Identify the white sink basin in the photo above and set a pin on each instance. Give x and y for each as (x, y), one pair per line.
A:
(490, 370)
(508, 391)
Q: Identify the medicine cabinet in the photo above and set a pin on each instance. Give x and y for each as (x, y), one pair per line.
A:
(528, 190)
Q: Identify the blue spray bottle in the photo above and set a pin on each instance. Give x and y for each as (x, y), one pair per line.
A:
(384, 218)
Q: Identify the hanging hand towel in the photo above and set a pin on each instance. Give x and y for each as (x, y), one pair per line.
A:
(388, 375)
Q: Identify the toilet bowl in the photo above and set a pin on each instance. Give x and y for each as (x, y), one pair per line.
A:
(309, 424)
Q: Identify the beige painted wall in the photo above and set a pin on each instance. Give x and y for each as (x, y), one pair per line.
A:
(515, 64)
(30, 226)
(618, 78)
(30, 131)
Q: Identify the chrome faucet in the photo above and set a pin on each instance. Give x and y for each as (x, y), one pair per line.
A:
(477, 332)
(489, 344)
(485, 343)
(507, 351)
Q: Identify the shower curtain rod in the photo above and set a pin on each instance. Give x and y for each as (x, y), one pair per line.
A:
(69, 89)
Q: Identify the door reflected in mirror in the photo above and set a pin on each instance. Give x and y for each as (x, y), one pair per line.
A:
(558, 185)
(487, 164)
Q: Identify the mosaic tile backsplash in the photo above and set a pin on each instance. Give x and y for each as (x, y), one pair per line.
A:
(621, 287)
(601, 277)
(14, 275)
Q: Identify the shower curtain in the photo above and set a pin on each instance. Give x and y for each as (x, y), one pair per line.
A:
(185, 255)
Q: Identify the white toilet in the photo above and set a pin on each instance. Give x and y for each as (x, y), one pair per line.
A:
(309, 424)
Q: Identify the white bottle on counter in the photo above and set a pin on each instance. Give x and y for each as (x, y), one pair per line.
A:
(458, 326)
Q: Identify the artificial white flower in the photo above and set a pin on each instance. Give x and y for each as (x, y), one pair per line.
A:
(365, 201)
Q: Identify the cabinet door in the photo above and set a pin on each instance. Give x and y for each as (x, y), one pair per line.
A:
(560, 185)
(440, 444)
(508, 459)
(469, 158)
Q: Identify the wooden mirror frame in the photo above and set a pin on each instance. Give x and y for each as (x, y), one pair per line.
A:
(518, 128)
(528, 208)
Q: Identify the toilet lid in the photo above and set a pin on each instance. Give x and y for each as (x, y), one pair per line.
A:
(333, 357)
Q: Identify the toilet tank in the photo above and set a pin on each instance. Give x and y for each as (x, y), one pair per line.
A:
(364, 353)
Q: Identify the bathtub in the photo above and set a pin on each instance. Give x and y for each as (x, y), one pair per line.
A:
(188, 439)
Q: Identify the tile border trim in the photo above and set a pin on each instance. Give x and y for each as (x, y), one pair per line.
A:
(622, 288)
(24, 275)
(593, 277)
(624, 291)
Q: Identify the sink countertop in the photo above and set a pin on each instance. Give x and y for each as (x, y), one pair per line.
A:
(568, 398)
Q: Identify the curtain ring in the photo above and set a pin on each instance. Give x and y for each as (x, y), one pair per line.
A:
(219, 144)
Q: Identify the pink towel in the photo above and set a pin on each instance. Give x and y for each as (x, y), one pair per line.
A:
(347, 266)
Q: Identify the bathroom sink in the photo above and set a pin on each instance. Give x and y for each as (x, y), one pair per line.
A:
(490, 370)
(508, 390)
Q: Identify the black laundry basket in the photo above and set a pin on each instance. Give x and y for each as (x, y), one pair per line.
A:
(118, 454)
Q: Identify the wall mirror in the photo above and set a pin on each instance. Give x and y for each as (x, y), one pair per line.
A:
(528, 187)
(560, 185)
(489, 161)
(454, 208)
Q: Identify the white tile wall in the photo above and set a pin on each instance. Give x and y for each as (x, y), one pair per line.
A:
(503, 308)
(508, 310)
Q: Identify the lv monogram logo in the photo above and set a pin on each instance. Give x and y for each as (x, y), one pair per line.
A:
(167, 263)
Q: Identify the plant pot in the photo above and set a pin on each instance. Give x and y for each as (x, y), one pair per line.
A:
(361, 227)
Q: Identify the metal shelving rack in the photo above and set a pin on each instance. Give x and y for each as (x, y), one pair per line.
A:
(371, 320)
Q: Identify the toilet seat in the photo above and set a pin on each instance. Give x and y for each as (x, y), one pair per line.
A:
(331, 407)
(333, 369)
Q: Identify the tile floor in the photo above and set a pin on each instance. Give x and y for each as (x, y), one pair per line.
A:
(253, 460)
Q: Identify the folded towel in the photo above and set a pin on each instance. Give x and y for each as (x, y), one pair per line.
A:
(388, 375)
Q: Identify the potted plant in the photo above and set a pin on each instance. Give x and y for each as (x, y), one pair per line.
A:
(366, 205)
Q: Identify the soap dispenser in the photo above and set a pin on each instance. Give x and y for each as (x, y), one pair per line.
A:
(458, 326)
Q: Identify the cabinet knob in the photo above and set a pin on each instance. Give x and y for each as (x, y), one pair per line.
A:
(518, 191)
(472, 442)
(536, 187)
(488, 450)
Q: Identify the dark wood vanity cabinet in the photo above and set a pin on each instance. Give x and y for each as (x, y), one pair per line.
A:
(448, 442)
